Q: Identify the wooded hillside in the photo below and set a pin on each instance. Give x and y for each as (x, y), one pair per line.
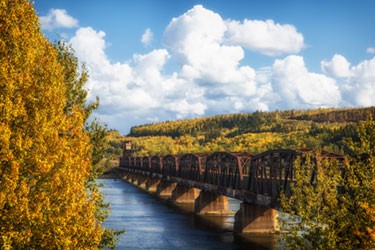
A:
(252, 132)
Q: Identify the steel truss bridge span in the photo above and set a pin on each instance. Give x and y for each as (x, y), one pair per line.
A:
(257, 179)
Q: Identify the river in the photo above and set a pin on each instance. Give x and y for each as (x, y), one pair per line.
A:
(152, 223)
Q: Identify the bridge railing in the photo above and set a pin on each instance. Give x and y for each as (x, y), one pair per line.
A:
(170, 166)
(156, 165)
(226, 169)
(192, 167)
(272, 171)
(146, 164)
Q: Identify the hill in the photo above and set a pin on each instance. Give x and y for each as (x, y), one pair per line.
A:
(252, 132)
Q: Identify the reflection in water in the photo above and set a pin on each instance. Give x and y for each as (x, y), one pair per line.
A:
(152, 223)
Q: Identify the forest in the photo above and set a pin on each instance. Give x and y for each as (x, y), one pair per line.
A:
(325, 128)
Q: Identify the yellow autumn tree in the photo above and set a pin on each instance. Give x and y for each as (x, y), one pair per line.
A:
(335, 210)
(44, 152)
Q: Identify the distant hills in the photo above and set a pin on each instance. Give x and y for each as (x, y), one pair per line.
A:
(251, 132)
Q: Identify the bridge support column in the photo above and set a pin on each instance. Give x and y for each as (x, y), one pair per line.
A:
(126, 176)
(134, 178)
(129, 177)
(164, 189)
(152, 184)
(141, 182)
(253, 218)
(210, 203)
(184, 195)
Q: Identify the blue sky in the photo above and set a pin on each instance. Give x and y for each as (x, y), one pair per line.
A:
(152, 61)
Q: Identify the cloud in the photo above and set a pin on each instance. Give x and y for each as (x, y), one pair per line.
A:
(337, 67)
(90, 45)
(266, 37)
(359, 89)
(357, 83)
(147, 37)
(136, 90)
(208, 80)
(370, 50)
(209, 76)
(299, 88)
(113, 82)
(57, 18)
(196, 39)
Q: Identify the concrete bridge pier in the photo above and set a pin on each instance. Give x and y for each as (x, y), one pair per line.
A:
(210, 203)
(142, 181)
(152, 184)
(134, 179)
(126, 176)
(184, 195)
(165, 188)
(252, 218)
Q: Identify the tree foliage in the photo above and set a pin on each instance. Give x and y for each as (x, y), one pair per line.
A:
(257, 122)
(75, 77)
(337, 209)
(358, 198)
(45, 154)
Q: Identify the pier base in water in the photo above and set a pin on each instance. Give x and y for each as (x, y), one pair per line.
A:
(184, 195)
(210, 203)
(164, 189)
(152, 185)
(142, 181)
(253, 218)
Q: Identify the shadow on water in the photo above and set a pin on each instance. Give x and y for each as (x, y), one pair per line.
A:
(154, 223)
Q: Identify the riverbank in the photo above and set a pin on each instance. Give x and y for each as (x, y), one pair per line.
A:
(112, 173)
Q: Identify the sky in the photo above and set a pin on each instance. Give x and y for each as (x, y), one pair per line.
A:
(157, 60)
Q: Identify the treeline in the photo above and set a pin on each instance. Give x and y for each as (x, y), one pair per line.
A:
(337, 115)
(256, 132)
(257, 122)
(209, 126)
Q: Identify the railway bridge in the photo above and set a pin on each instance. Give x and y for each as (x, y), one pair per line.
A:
(207, 180)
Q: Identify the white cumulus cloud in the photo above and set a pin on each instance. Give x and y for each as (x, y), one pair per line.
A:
(297, 87)
(198, 41)
(90, 45)
(57, 18)
(137, 89)
(147, 37)
(266, 37)
(337, 67)
(370, 50)
(359, 89)
(197, 38)
(357, 83)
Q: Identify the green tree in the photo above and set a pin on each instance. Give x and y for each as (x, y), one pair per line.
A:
(336, 209)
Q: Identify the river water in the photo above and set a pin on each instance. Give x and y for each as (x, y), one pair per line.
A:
(152, 223)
